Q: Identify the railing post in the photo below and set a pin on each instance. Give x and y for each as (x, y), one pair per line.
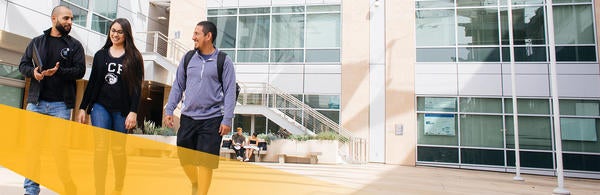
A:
(155, 43)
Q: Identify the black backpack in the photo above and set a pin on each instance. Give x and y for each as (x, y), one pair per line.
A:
(220, 63)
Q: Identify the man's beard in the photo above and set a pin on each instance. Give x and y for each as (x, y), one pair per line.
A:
(62, 29)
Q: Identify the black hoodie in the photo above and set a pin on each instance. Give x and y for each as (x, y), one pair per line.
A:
(70, 70)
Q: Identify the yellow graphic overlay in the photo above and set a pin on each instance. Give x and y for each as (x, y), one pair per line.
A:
(73, 158)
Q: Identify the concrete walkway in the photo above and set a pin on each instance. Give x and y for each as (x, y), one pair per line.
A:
(393, 179)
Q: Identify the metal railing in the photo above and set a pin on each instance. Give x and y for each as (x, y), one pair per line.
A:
(156, 42)
(352, 148)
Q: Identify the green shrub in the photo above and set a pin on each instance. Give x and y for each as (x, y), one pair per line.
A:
(150, 128)
(267, 137)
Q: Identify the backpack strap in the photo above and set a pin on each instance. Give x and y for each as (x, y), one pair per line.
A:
(186, 61)
(220, 64)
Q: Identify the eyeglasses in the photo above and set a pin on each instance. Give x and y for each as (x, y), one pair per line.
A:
(119, 32)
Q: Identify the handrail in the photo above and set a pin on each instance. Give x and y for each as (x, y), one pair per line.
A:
(157, 42)
(272, 97)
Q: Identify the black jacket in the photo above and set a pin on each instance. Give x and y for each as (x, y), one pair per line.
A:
(94, 86)
(70, 70)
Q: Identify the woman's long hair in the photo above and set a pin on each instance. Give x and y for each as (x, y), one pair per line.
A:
(133, 64)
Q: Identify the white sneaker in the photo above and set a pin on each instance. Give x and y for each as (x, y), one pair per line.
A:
(239, 158)
(247, 160)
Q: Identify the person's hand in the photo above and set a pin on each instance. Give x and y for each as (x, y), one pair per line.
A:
(131, 120)
(51, 71)
(37, 75)
(81, 116)
(168, 121)
(224, 130)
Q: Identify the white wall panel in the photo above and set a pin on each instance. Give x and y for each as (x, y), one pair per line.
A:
(436, 84)
(526, 69)
(254, 3)
(480, 84)
(332, 1)
(256, 69)
(479, 69)
(579, 86)
(577, 69)
(435, 68)
(3, 18)
(331, 69)
(528, 85)
(290, 83)
(322, 84)
(255, 78)
(286, 69)
(213, 3)
(25, 22)
(232, 3)
(288, 2)
(44, 7)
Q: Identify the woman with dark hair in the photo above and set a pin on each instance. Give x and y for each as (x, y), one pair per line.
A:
(112, 97)
(251, 147)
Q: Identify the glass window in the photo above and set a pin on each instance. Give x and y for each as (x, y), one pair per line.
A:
(528, 106)
(437, 129)
(79, 15)
(580, 107)
(480, 105)
(11, 96)
(9, 71)
(574, 24)
(107, 8)
(570, 1)
(323, 8)
(434, 154)
(436, 55)
(287, 55)
(531, 159)
(582, 162)
(81, 3)
(294, 9)
(334, 115)
(470, 3)
(435, 27)
(226, 31)
(576, 53)
(479, 54)
(100, 24)
(253, 32)
(525, 54)
(260, 124)
(322, 55)
(482, 157)
(477, 26)
(323, 101)
(260, 10)
(528, 26)
(481, 131)
(434, 3)
(212, 12)
(580, 134)
(274, 128)
(323, 30)
(287, 31)
(253, 56)
(534, 133)
(522, 2)
(230, 53)
(436, 104)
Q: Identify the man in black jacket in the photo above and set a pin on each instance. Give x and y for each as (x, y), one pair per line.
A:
(60, 62)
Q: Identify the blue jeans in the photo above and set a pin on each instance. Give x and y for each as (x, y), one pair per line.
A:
(103, 140)
(56, 109)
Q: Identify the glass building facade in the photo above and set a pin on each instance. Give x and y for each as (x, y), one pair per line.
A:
(465, 129)
(288, 36)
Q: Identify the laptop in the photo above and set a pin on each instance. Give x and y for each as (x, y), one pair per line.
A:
(37, 60)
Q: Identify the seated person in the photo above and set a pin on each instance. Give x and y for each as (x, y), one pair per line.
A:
(251, 146)
(238, 140)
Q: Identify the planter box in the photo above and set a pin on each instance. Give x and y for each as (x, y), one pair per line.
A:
(329, 150)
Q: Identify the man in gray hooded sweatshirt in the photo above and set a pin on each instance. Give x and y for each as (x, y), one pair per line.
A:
(208, 104)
